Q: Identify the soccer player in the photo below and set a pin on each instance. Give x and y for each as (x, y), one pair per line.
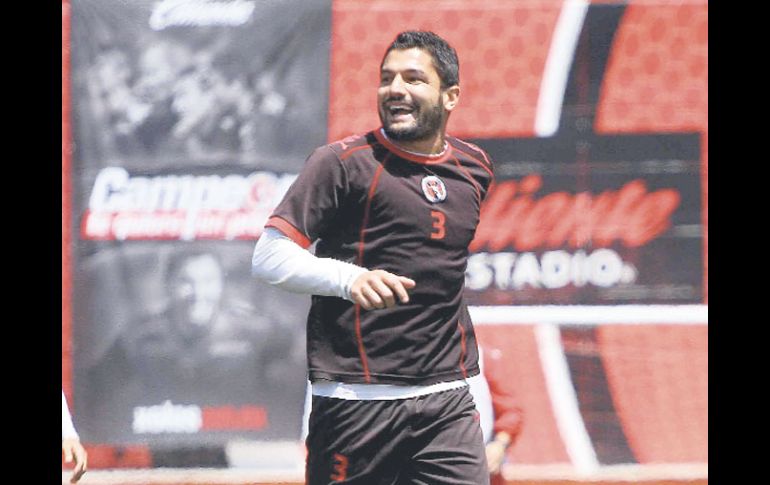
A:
(70, 443)
(390, 340)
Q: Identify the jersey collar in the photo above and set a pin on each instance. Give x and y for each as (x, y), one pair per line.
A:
(412, 156)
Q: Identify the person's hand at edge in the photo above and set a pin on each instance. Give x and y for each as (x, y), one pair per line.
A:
(496, 451)
(73, 450)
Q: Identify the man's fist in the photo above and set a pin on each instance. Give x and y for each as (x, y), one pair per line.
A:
(379, 289)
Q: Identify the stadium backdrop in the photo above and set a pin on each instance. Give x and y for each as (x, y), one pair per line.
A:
(183, 121)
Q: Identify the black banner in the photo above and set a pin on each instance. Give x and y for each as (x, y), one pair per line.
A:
(190, 118)
(605, 233)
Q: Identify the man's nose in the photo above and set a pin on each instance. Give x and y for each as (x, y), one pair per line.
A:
(397, 86)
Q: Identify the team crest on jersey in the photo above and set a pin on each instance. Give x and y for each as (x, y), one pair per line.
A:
(433, 188)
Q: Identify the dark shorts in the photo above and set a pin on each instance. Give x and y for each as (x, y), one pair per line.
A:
(428, 440)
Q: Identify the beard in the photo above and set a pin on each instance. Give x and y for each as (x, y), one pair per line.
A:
(428, 121)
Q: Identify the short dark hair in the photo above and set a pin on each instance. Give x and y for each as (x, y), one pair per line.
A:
(444, 56)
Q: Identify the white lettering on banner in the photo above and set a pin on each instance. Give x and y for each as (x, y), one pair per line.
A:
(186, 207)
(167, 418)
(167, 13)
(161, 226)
(114, 190)
(554, 269)
(526, 272)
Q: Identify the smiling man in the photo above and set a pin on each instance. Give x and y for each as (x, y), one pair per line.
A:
(415, 100)
(389, 338)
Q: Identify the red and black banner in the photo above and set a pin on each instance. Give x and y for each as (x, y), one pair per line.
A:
(588, 216)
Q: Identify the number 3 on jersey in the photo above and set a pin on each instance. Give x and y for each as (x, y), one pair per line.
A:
(439, 219)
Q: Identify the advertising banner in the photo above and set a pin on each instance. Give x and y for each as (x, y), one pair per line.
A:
(190, 118)
(617, 225)
(602, 207)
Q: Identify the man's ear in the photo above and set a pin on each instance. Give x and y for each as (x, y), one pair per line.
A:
(450, 97)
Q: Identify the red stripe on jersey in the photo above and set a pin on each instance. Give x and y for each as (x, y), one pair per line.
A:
(369, 197)
(471, 145)
(463, 350)
(481, 164)
(289, 231)
(364, 222)
(346, 154)
(412, 156)
(470, 177)
(361, 349)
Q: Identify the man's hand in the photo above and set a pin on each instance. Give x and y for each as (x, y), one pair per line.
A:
(496, 451)
(73, 449)
(379, 289)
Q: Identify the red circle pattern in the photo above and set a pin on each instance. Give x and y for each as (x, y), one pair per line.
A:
(502, 48)
(656, 79)
(657, 75)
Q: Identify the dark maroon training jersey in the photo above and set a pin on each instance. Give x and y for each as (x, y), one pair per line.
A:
(372, 204)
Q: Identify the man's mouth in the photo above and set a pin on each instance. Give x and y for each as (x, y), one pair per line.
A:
(400, 112)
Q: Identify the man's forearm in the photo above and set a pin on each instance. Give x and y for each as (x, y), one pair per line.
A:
(279, 261)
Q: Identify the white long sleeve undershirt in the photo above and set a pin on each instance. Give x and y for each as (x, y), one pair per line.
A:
(279, 261)
(67, 427)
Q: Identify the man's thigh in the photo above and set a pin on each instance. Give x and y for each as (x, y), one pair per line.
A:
(356, 442)
(449, 443)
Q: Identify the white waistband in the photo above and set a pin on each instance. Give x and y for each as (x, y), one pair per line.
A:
(363, 392)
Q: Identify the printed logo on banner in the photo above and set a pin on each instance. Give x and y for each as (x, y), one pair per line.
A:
(631, 216)
(169, 417)
(169, 13)
(181, 207)
(540, 241)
